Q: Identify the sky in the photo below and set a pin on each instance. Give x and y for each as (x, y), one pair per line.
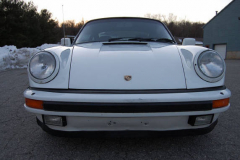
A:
(193, 10)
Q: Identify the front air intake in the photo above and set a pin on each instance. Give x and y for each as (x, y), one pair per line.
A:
(127, 107)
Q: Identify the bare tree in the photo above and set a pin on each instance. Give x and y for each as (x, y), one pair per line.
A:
(179, 28)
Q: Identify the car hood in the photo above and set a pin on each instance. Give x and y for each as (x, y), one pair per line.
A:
(105, 66)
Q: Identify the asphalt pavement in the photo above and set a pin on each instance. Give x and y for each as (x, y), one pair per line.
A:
(22, 138)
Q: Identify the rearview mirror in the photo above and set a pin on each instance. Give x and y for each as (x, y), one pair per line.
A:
(189, 41)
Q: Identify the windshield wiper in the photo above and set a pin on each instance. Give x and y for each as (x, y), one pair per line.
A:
(152, 39)
(165, 40)
(141, 39)
(86, 42)
(119, 38)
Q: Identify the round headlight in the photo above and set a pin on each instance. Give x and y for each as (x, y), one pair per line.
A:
(211, 66)
(42, 67)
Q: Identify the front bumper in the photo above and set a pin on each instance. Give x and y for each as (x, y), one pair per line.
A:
(135, 133)
(104, 121)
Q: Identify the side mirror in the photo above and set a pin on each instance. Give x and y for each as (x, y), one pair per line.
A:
(189, 41)
(67, 42)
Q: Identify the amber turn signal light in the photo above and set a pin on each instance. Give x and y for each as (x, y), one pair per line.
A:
(220, 103)
(34, 103)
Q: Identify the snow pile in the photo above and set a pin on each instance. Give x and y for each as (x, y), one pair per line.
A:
(11, 57)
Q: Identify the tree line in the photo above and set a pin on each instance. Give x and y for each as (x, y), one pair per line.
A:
(21, 25)
(179, 28)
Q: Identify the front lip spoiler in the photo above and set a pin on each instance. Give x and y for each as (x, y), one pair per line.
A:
(135, 134)
(106, 91)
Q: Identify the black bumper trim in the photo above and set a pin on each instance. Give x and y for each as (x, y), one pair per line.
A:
(108, 91)
(109, 134)
(127, 107)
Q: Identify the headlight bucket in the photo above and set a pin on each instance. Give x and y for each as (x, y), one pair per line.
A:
(209, 66)
(43, 67)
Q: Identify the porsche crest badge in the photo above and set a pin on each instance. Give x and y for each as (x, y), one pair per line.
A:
(127, 77)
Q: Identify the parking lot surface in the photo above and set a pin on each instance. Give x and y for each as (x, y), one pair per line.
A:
(22, 138)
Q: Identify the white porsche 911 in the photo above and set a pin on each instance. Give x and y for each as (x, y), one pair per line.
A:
(126, 75)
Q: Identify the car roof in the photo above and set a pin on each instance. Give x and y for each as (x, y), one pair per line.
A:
(123, 18)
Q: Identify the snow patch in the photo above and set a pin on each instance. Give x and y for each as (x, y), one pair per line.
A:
(11, 57)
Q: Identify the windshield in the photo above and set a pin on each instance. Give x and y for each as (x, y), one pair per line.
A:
(122, 29)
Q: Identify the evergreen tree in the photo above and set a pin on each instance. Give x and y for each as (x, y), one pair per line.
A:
(21, 25)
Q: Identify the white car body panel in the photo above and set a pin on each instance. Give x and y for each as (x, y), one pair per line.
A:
(127, 98)
(148, 122)
(104, 67)
(161, 121)
(193, 81)
(62, 78)
(98, 64)
(129, 115)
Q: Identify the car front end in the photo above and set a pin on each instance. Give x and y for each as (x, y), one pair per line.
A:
(126, 84)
